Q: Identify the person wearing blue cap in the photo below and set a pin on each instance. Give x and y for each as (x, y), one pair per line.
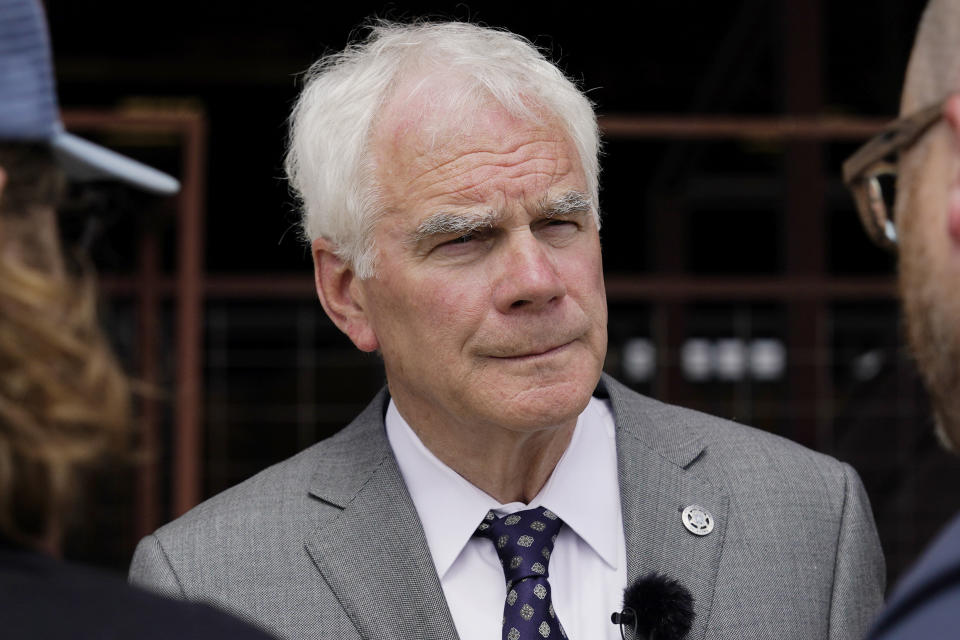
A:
(30, 113)
(64, 400)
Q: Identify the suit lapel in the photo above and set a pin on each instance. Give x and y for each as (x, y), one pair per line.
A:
(373, 554)
(656, 454)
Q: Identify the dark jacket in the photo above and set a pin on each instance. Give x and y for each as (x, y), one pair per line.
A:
(926, 601)
(41, 597)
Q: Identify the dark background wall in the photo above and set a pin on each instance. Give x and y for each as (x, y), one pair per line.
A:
(240, 61)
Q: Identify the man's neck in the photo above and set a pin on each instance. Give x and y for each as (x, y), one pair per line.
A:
(510, 466)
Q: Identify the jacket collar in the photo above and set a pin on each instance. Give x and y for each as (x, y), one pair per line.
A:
(346, 461)
(374, 555)
(658, 448)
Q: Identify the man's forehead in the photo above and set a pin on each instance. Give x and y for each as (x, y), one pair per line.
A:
(424, 115)
(469, 162)
(475, 160)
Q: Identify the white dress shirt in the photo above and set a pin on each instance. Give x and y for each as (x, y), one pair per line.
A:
(588, 567)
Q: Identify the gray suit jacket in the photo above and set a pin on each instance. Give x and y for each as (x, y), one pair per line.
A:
(328, 545)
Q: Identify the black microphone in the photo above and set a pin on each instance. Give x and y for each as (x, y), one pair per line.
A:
(657, 608)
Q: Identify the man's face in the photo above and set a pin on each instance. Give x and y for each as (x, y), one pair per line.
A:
(928, 200)
(488, 305)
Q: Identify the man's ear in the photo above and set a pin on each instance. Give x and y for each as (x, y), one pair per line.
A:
(340, 294)
(3, 180)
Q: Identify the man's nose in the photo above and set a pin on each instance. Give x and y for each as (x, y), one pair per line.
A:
(529, 277)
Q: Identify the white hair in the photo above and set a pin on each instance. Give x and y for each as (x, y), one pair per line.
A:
(329, 161)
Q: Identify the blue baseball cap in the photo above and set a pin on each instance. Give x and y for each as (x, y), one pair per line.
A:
(29, 111)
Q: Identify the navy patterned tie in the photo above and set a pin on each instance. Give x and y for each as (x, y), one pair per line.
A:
(524, 542)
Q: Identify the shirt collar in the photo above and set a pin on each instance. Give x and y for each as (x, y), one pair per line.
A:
(583, 488)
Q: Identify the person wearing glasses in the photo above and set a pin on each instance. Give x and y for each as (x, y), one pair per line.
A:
(917, 216)
(500, 486)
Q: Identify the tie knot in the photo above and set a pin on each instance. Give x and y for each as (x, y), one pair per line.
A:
(523, 540)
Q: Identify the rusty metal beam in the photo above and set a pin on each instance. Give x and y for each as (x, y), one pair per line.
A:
(804, 238)
(147, 510)
(620, 287)
(108, 121)
(188, 291)
(786, 128)
(187, 480)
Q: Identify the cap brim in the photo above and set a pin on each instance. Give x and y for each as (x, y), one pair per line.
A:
(84, 160)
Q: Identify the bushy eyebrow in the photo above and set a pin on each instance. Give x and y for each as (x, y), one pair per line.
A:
(571, 202)
(446, 223)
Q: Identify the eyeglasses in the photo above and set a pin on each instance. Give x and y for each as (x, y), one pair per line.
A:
(869, 173)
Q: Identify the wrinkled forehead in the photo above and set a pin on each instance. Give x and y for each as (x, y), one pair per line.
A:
(424, 114)
(492, 157)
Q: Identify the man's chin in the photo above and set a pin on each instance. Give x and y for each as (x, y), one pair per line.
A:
(554, 401)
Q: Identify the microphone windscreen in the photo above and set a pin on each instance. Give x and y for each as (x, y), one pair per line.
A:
(663, 606)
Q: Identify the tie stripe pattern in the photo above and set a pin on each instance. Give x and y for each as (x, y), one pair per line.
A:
(524, 541)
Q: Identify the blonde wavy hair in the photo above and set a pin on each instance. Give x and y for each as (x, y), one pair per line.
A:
(64, 399)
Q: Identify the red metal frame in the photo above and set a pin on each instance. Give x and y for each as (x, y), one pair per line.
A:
(186, 475)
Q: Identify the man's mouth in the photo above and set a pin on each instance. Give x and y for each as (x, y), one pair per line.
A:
(534, 353)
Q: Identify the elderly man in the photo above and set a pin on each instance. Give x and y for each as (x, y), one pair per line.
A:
(925, 232)
(500, 486)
